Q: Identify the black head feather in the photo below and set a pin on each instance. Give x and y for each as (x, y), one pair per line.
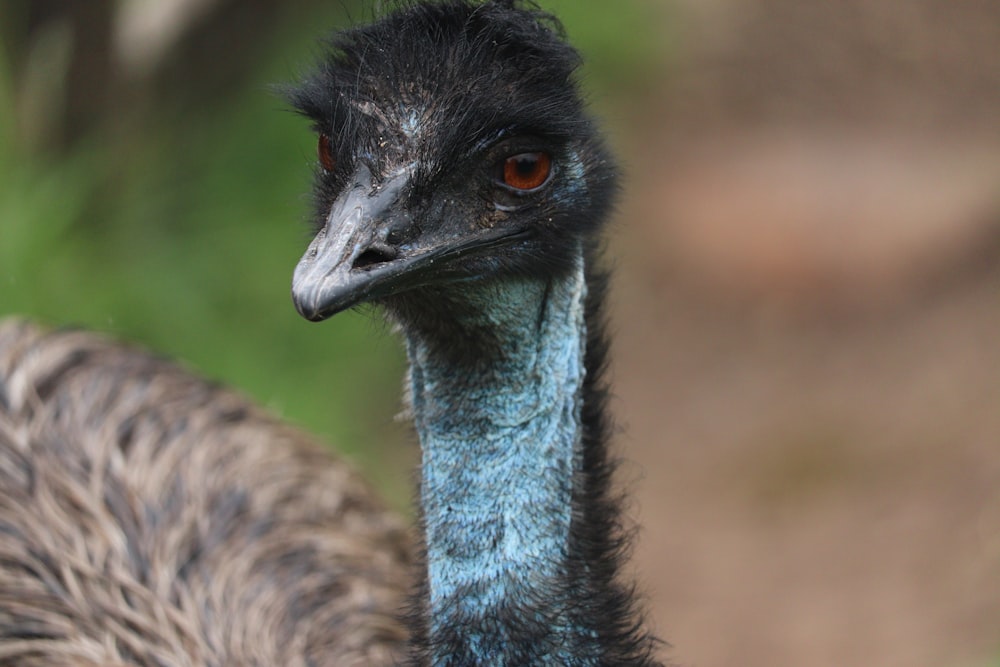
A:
(445, 92)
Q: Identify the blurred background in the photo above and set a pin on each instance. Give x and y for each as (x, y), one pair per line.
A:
(806, 312)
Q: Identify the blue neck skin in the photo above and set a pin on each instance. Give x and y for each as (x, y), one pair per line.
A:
(501, 442)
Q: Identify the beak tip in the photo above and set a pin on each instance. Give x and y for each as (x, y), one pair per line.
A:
(320, 300)
(310, 315)
(308, 304)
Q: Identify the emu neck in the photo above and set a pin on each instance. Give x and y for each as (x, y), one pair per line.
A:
(501, 441)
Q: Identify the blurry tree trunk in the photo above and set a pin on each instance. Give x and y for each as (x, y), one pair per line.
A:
(90, 91)
(89, 76)
(200, 67)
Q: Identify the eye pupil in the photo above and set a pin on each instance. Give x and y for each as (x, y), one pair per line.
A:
(525, 166)
(325, 152)
(527, 171)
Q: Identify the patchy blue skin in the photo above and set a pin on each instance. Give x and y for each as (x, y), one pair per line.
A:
(411, 124)
(577, 172)
(500, 445)
(575, 180)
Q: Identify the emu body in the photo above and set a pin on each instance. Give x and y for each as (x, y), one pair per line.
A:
(148, 517)
(461, 187)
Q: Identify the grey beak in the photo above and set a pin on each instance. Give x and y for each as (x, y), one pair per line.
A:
(357, 249)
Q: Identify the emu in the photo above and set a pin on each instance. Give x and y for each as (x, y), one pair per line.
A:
(148, 517)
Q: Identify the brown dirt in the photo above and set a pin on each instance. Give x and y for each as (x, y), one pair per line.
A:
(818, 491)
(806, 320)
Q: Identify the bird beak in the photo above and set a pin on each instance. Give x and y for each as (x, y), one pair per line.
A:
(371, 248)
(351, 257)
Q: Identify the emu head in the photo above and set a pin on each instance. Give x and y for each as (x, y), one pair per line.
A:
(453, 146)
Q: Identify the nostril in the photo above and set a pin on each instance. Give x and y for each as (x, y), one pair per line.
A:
(374, 255)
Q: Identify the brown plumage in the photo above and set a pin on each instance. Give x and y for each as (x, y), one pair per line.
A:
(148, 517)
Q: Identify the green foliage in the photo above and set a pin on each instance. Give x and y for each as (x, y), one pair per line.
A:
(622, 42)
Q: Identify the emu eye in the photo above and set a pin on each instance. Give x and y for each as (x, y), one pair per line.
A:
(325, 152)
(527, 171)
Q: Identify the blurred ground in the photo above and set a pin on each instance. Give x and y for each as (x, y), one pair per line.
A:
(807, 318)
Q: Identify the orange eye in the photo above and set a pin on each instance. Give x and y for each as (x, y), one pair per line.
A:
(326, 153)
(527, 171)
